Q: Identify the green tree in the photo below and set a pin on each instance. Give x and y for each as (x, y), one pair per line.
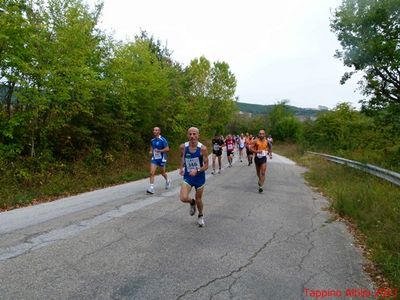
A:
(139, 86)
(49, 69)
(70, 76)
(172, 116)
(288, 129)
(211, 94)
(221, 97)
(198, 76)
(284, 125)
(343, 128)
(68, 90)
(16, 47)
(369, 32)
(278, 112)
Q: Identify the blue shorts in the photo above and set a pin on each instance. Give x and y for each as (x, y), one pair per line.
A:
(159, 162)
(197, 182)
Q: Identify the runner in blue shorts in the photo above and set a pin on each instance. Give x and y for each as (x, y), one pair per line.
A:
(194, 163)
(158, 150)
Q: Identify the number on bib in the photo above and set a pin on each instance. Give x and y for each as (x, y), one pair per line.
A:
(262, 154)
(157, 154)
(192, 163)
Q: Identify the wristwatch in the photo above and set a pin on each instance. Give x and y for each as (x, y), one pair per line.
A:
(198, 170)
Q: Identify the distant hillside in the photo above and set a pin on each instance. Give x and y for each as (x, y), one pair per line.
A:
(258, 109)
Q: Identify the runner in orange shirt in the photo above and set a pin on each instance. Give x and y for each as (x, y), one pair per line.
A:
(248, 141)
(260, 148)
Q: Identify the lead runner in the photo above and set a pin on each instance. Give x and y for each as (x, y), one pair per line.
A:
(194, 163)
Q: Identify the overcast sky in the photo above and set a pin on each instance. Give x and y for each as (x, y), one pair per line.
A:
(280, 49)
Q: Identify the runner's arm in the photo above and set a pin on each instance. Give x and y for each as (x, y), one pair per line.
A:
(166, 146)
(204, 153)
(165, 149)
(181, 164)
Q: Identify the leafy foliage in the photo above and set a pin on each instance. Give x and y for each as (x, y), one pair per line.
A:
(71, 94)
(69, 91)
(350, 133)
(284, 125)
(369, 32)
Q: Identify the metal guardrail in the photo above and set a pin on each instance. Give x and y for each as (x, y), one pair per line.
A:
(388, 175)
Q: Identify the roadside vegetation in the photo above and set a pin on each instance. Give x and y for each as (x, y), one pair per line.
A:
(369, 203)
(27, 186)
(77, 107)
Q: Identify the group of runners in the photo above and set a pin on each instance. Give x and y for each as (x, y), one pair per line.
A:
(194, 161)
(240, 142)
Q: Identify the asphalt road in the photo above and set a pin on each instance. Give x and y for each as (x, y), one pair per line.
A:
(119, 243)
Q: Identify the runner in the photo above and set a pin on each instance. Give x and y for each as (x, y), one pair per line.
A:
(248, 142)
(158, 150)
(241, 146)
(270, 140)
(217, 144)
(260, 148)
(194, 163)
(230, 147)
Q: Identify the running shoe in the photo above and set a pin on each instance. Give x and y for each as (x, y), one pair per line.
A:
(213, 172)
(150, 190)
(168, 184)
(192, 207)
(219, 171)
(260, 189)
(200, 221)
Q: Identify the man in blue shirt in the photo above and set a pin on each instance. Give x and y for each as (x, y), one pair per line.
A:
(158, 150)
(194, 163)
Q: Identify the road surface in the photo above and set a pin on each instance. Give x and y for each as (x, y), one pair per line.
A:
(119, 243)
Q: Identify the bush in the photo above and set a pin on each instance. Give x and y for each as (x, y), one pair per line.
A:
(288, 129)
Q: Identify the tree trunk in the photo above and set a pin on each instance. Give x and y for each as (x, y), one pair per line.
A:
(8, 97)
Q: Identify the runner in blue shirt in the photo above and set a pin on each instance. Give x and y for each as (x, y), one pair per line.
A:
(194, 163)
(158, 150)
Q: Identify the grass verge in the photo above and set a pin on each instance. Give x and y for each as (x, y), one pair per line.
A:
(371, 204)
(25, 185)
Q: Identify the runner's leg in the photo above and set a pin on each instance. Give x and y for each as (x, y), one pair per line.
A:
(199, 200)
(163, 173)
(263, 170)
(184, 194)
(219, 162)
(258, 173)
(213, 163)
(153, 168)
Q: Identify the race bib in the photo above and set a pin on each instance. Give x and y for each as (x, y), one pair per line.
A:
(230, 146)
(157, 154)
(192, 163)
(262, 154)
(216, 147)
